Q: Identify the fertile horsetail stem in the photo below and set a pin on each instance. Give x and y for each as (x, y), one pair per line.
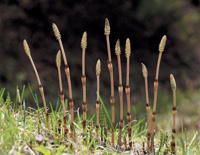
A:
(120, 89)
(110, 68)
(67, 72)
(127, 89)
(98, 71)
(161, 49)
(173, 86)
(58, 64)
(145, 75)
(27, 50)
(83, 79)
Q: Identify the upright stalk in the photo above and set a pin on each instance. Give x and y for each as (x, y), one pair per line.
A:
(67, 72)
(98, 71)
(110, 68)
(161, 49)
(83, 79)
(58, 64)
(19, 103)
(173, 86)
(120, 89)
(145, 75)
(127, 89)
(28, 52)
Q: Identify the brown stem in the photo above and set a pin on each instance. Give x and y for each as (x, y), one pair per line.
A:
(83, 62)
(155, 95)
(97, 104)
(83, 79)
(36, 73)
(62, 98)
(97, 111)
(61, 91)
(112, 100)
(158, 65)
(120, 89)
(173, 145)
(108, 48)
(127, 89)
(148, 114)
(63, 51)
(84, 106)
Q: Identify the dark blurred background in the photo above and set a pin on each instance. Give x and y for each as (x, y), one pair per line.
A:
(143, 21)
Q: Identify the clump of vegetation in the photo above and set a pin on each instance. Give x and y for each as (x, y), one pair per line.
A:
(34, 131)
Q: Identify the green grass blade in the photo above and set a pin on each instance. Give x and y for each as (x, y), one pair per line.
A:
(32, 93)
(24, 108)
(57, 103)
(105, 110)
(22, 94)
